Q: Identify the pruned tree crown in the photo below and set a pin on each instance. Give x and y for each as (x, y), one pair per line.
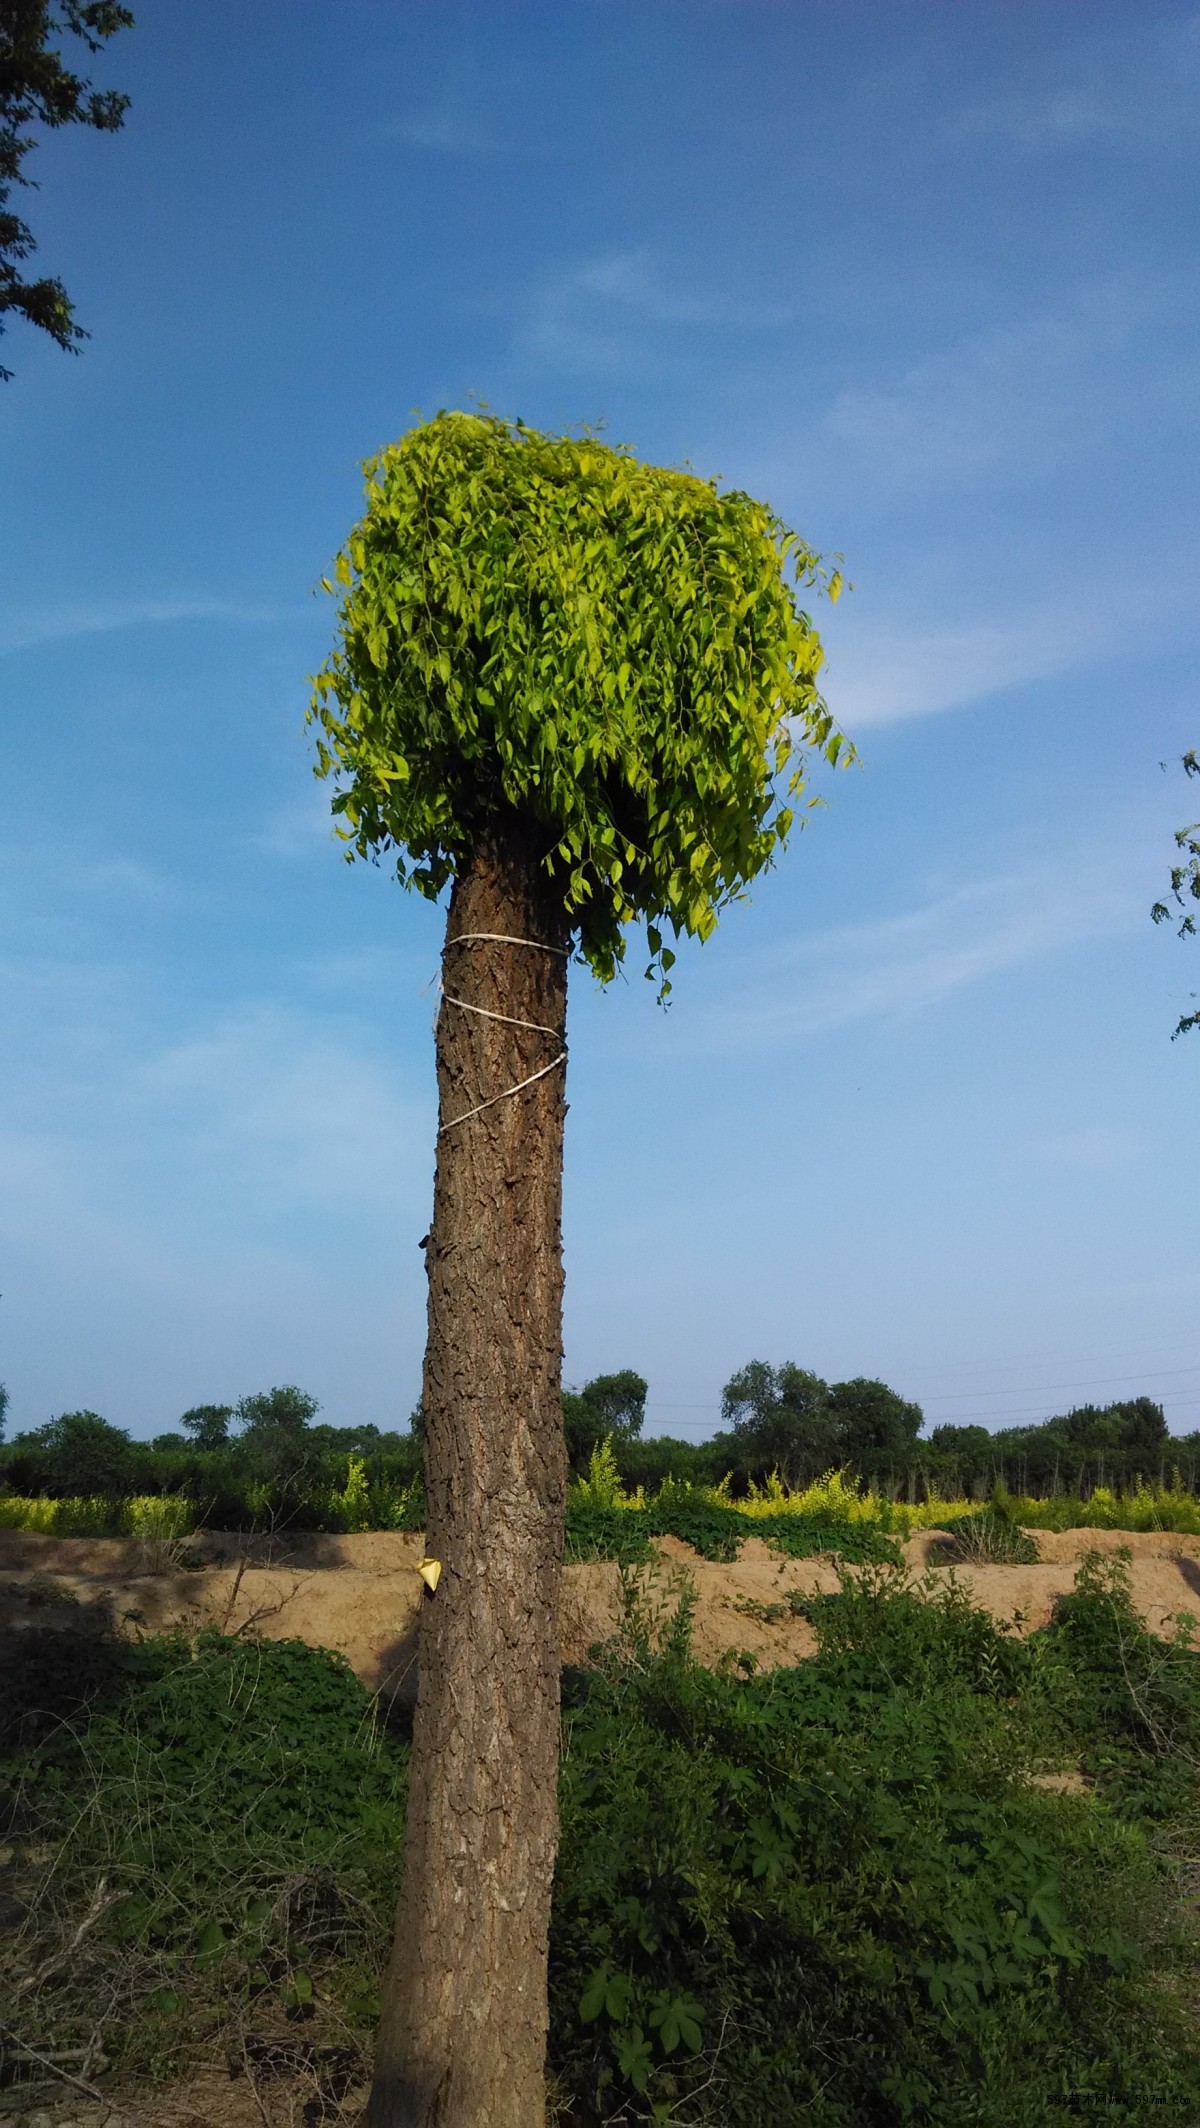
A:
(543, 629)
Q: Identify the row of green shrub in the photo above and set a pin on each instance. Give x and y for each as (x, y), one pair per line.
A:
(355, 1506)
(605, 1520)
(835, 1894)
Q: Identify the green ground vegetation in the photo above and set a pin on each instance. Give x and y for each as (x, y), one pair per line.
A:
(836, 1893)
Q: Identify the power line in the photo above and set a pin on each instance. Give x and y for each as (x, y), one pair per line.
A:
(1102, 1381)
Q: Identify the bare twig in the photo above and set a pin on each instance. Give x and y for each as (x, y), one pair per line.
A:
(233, 1593)
(55, 2068)
(102, 1901)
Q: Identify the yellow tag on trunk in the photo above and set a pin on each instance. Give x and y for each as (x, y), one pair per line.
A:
(430, 1571)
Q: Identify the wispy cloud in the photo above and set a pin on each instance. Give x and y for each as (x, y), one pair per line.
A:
(300, 825)
(600, 314)
(1010, 404)
(1095, 1148)
(885, 667)
(901, 966)
(1144, 98)
(880, 674)
(448, 128)
(52, 624)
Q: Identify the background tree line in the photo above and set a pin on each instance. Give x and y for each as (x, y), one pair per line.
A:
(783, 1419)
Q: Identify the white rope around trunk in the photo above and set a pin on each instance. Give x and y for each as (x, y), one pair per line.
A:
(501, 938)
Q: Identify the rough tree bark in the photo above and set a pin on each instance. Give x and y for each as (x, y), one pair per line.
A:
(463, 2031)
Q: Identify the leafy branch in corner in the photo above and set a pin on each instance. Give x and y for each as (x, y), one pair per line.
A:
(36, 88)
(1185, 884)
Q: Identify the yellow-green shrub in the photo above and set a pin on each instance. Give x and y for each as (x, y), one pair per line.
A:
(148, 1516)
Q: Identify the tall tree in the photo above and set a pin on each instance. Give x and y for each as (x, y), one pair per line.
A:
(1185, 883)
(567, 686)
(208, 1425)
(36, 88)
(782, 1416)
(874, 1424)
(608, 1404)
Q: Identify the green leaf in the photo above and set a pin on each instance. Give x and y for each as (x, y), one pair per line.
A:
(677, 2019)
(210, 1943)
(635, 2056)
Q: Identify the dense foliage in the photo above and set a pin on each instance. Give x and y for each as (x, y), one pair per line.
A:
(833, 1893)
(543, 629)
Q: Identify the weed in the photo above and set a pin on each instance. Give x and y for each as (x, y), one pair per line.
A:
(989, 1539)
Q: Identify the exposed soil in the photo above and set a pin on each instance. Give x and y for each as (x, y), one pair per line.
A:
(362, 1595)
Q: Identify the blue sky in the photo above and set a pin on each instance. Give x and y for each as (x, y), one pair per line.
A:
(924, 276)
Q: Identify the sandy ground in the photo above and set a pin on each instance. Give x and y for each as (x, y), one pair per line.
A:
(363, 1595)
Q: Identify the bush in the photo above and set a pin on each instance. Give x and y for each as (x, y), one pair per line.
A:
(827, 1895)
(605, 1522)
(151, 1517)
(1135, 1699)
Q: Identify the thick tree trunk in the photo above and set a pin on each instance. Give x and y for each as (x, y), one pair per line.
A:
(463, 2033)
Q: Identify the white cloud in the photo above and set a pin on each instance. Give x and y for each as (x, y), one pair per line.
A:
(53, 624)
(878, 675)
(1010, 404)
(447, 129)
(883, 667)
(1095, 1147)
(901, 966)
(302, 824)
(598, 315)
(1140, 99)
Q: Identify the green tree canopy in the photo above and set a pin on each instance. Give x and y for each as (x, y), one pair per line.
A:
(37, 88)
(608, 1404)
(78, 1452)
(276, 1441)
(286, 1410)
(1138, 1425)
(783, 1417)
(872, 1422)
(789, 1418)
(544, 629)
(208, 1425)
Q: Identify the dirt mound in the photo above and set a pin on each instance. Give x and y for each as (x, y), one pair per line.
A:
(363, 1595)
